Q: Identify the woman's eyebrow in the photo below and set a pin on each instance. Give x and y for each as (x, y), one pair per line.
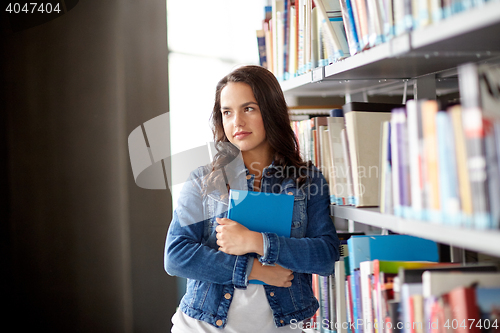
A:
(241, 106)
(249, 103)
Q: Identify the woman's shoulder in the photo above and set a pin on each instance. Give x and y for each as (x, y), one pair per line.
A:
(201, 171)
(314, 174)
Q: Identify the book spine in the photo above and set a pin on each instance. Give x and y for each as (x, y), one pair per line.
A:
(493, 171)
(350, 26)
(414, 153)
(431, 183)
(349, 304)
(447, 169)
(395, 161)
(462, 171)
(472, 122)
(340, 308)
(357, 306)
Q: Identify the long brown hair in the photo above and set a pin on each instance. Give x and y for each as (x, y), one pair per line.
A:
(274, 111)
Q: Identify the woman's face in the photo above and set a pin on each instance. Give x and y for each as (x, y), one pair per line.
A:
(242, 119)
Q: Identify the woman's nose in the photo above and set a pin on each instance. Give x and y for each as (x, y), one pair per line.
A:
(239, 119)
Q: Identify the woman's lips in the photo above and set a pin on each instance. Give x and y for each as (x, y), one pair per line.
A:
(241, 135)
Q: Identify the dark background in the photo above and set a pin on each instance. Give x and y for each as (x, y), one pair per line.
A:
(81, 244)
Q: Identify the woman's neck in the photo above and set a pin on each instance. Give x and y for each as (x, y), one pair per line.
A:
(255, 164)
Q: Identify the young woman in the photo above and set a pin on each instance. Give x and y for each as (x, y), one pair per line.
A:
(257, 151)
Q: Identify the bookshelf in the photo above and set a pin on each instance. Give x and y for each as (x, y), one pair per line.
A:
(425, 59)
(485, 241)
(434, 51)
(469, 36)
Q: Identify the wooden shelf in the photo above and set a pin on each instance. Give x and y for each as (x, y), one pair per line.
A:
(486, 241)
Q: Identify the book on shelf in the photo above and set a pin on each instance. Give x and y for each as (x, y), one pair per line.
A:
(375, 23)
(350, 26)
(362, 122)
(447, 171)
(431, 180)
(400, 160)
(466, 308)
(409, 292)
(415, 151)
(478, 86)
(363, 250)
(261, 42)
(305, 34)
(409, 248)
(384, 273)
(488, 303)
(438, 283)
(385, 185)
(349, 189)
(408, 274)
(331, 22)
(339, 184)
(361, 20)
(462, 301)
(464, 189)
(340, 296)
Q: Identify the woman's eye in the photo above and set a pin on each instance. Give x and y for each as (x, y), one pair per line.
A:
(248, 108)
(226, 113)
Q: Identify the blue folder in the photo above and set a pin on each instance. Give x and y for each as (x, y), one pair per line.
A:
(262, 212)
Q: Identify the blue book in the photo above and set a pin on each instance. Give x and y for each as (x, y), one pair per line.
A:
(390, 247)
(488, 302)
(447, 168)
(262, 212)
(356, 301)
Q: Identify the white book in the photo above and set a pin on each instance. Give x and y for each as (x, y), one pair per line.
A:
(323, 5)
(340, 296)
(376, 22)
(407, 291)
(365, 273)
(396, 202)
(292, 34)
(348, 167)
(335, 126)
(416, 180)
(439, 283)
(363, 134)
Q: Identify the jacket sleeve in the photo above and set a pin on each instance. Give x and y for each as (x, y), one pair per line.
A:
(319, 249)
(187, 256)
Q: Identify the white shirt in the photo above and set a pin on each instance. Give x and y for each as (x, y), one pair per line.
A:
(249, 312)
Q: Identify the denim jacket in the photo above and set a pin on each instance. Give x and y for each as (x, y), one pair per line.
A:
(191, 250)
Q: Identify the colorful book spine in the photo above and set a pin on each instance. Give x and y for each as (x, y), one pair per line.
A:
(431, 182)
(474, 136)
(448, 179)
(415, 158)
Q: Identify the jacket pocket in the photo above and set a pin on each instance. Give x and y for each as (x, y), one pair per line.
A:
(299, 217)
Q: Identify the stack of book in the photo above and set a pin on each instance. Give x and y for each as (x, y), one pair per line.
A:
(300, 35)
(345, 147)
(379, 289)
(443, 165)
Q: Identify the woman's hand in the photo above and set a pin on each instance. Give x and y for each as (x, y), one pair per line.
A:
(234, 238)
(272, 275)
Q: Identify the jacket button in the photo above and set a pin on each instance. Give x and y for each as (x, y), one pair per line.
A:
(218, 322)
(272, 294)
(227, 296)
(249, 176)
(281, 321)
(290, 193)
